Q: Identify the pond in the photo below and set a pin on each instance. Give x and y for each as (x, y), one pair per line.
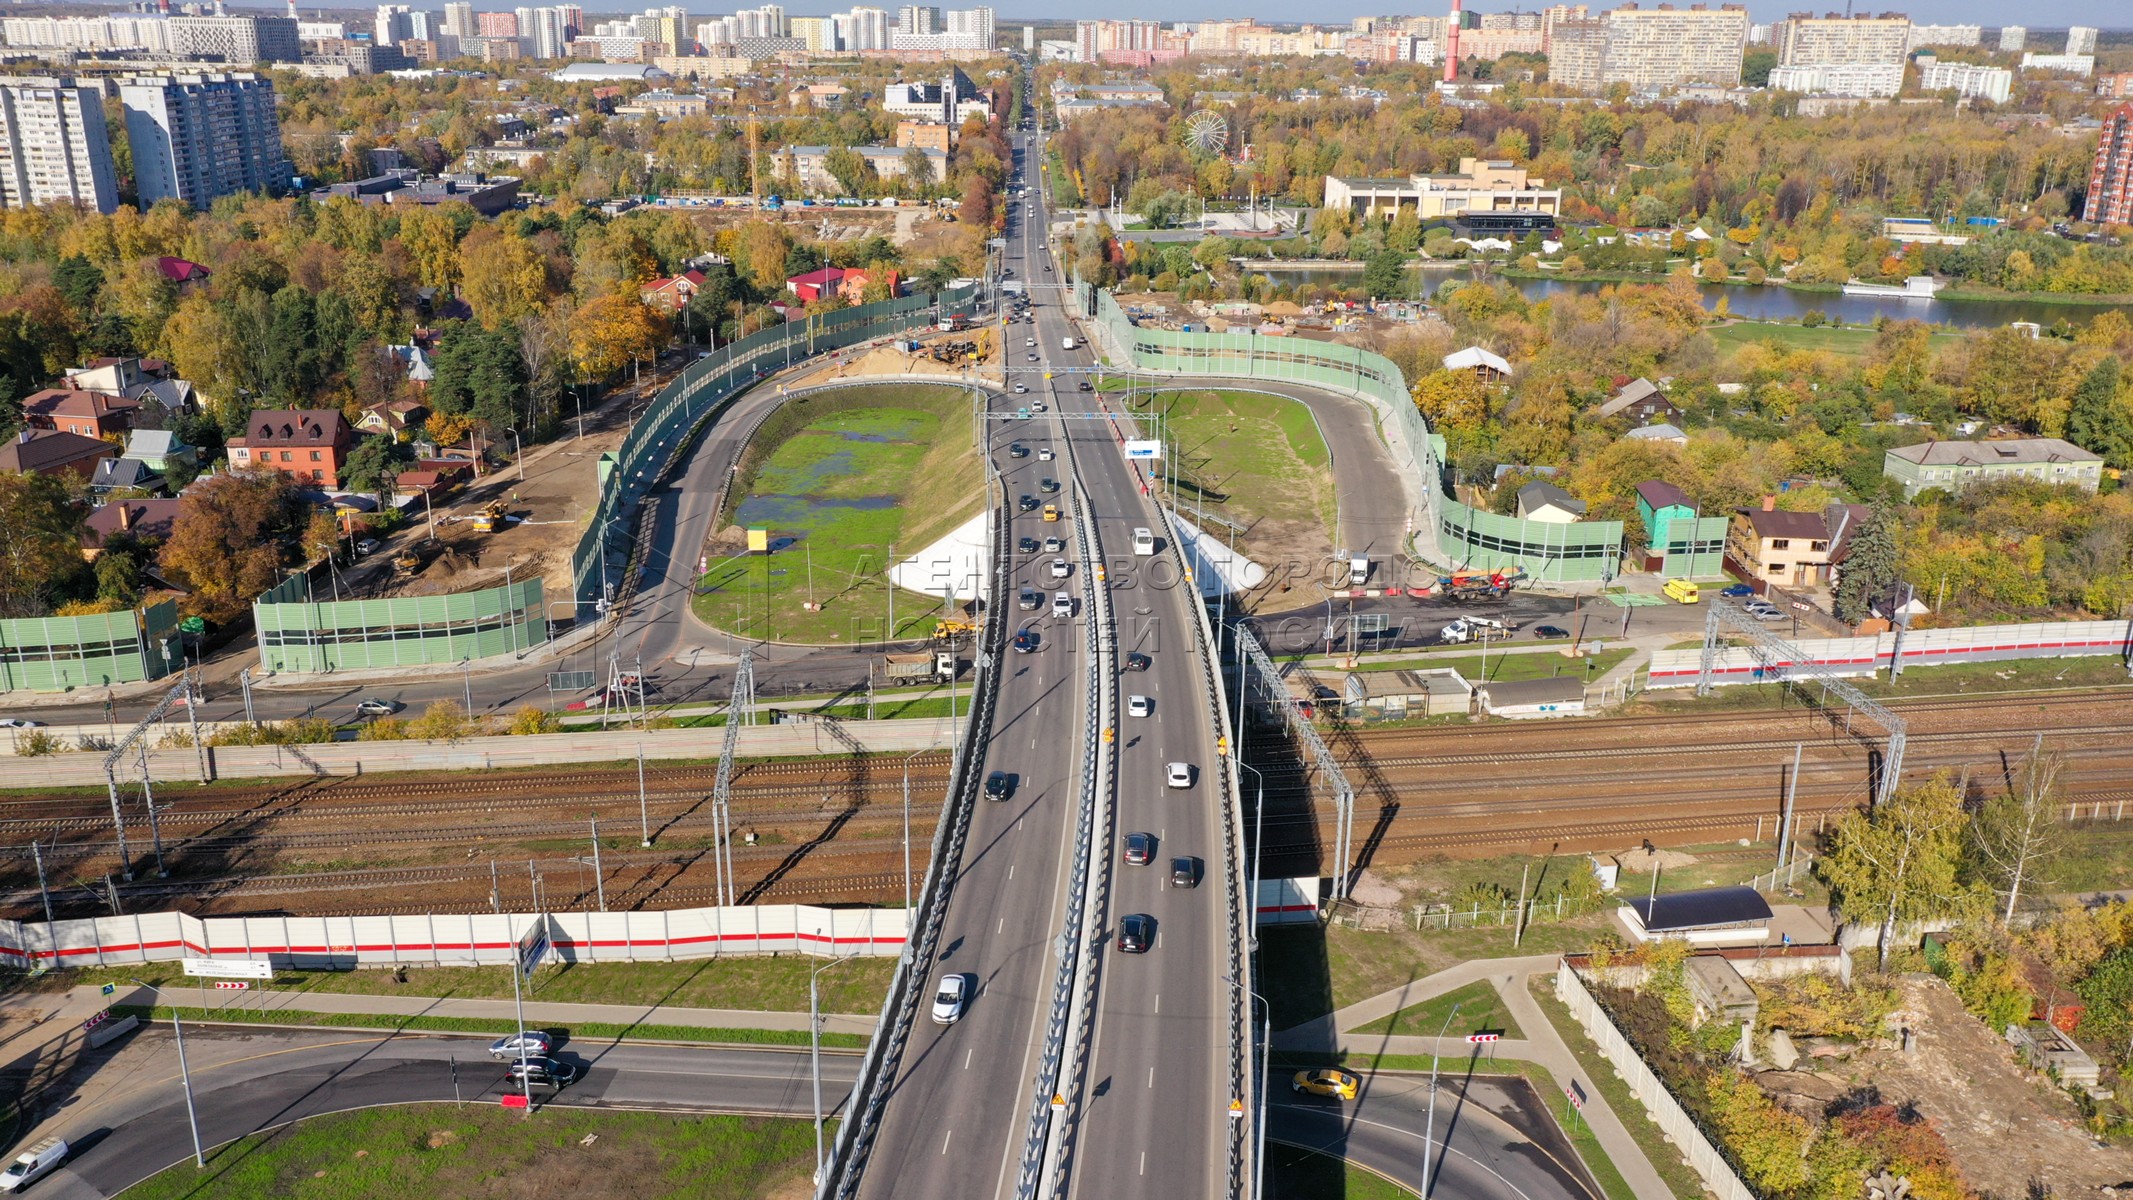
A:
(1764, 303)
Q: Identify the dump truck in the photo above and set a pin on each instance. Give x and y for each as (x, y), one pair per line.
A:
(940, 664)
(1474, 585)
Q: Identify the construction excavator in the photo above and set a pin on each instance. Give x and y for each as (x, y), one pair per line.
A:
(492, 517)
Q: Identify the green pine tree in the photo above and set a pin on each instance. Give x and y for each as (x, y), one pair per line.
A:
(2097, 420)
(1871, 568)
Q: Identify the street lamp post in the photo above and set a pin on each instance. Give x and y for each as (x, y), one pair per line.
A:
(814, 1054)
(907, 825)
(1430, 1131)
(192, 1117)
(1258, 824)
(1266, 1040)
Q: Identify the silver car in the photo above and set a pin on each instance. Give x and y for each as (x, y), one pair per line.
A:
(950, 997)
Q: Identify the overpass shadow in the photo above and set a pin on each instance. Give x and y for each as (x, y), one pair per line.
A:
(1286, 818)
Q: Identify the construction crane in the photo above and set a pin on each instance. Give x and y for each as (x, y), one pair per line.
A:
(950, 631)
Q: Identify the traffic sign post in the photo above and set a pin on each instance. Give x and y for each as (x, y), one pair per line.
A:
(231, 985)
(1478, 1038)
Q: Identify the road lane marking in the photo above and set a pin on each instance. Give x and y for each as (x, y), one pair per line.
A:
(1158, 1004)
(944, 1140)
(1010, 870)
(1002, 928)
(1144, 1162)
(966, 1057)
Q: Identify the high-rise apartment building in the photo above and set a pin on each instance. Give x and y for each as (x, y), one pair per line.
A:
(496, 25)
(2012, 38)
(459, 19)
(198, 137)
(1965, 79)
(1093, 38)
(2081, 39)
(1804, 39)
(818, 34)
(1946, 35)
(1839, 79)
(237, 40)
(2110, 199)
(1649, 48)
(919, 19)
(974, 23)
(53, 149)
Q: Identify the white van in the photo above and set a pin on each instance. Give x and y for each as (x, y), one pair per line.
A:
(1143, 540)
(34, 1163)
(1067, 342)
(1062, 605)
(1358, 572)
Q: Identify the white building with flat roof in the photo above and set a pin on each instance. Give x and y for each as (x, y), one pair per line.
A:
(1839, 79)
(1967, 79)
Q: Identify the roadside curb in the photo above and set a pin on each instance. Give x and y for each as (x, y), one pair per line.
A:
(395, 1031)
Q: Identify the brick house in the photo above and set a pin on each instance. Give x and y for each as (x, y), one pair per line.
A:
(54, 452)
(310, 445)
(673, 294)
(79, 411)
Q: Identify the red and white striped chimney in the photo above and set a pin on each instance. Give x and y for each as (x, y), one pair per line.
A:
(1451, 45)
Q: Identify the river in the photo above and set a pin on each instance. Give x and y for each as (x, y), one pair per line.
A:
(1771, 303)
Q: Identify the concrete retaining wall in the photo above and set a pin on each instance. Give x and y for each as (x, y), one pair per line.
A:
(1864, 656)
(1664, 1110)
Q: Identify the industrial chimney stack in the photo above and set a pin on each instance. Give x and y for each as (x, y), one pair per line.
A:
(1451, 45)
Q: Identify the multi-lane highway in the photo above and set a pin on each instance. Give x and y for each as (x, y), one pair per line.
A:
(127, 1120)
(1153, 1106)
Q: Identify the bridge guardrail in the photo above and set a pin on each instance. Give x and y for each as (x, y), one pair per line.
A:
(907, 985)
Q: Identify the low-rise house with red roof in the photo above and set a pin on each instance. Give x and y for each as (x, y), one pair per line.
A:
(310, 445)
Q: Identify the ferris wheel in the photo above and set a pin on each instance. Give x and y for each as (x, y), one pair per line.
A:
(1207, 132)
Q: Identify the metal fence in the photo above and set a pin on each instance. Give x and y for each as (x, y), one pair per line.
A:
(601, 561)
(454, 939)
(298, 633)
(1865, 656)
(57, 654)
(1461, 535)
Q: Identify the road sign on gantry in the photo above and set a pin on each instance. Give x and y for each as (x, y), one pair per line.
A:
(1142, 448)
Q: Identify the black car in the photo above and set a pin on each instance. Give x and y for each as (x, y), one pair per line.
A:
(1136, 933)
(1184, 872)
(1027, 545)
(1017, 450)
(999, 786)
(1550, 631)
(1047, 485)
(1027, 502)
(547, 1071)
(1140, 848)
(1025, 641)
(1137, 662)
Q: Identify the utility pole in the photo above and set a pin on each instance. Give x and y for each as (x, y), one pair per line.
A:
(644, 816)
(1430, 1131)
(814, 1054)
(599, 879)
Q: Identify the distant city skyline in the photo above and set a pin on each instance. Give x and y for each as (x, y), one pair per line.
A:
(2041, 16)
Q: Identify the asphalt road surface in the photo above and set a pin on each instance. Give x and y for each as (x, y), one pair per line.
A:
(246, 1080)
(1492, 1141)
(957, 1120)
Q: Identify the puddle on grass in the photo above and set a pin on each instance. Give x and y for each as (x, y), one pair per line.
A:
(810, 512)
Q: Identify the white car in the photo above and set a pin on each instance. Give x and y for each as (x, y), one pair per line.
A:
(1139, 706)
(1060, 568)
(1030, 342)
(1044, 454)
(1178, 775)
(950, 997)
(1021, 388)
(20, 723)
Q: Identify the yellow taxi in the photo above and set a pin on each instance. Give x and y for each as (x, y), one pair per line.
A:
(1051, 512)
(1327, 1082)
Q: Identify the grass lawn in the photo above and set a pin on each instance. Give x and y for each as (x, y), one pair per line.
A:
(444, 1152)
(1849, 343)
(581, 1031)
(770, 984)
(870, 468)
(2097, 857)
(1250, 457)
(1293, 1173)
(1505, 668)
(1664, 1156)
(1480, 1010)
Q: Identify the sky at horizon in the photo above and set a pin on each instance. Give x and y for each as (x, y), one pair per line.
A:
(2038, 15)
